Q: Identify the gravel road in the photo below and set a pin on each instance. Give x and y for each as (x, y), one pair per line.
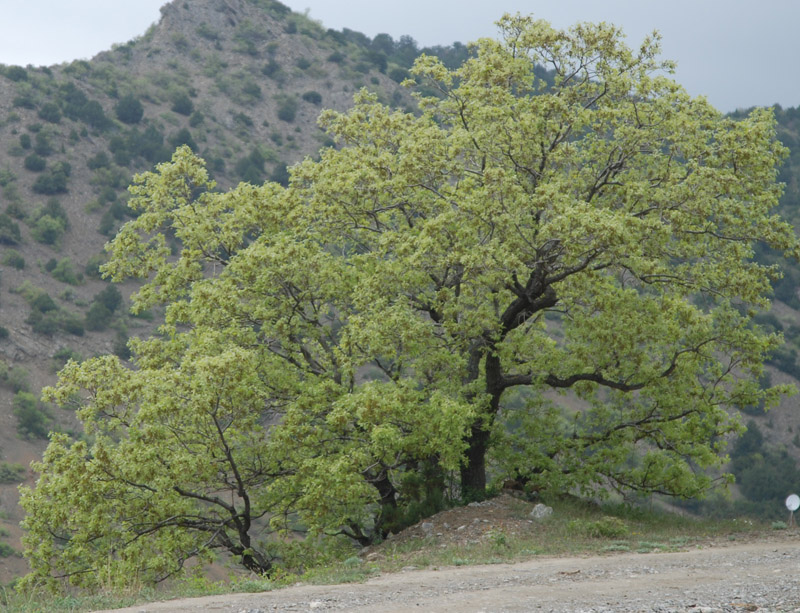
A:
(761, 577)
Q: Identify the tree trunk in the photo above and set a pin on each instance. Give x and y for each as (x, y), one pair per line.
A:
(473, 470)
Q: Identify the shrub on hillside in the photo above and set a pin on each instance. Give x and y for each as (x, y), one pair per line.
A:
(11, 472)
(129, 110)
(49, 111)
(313, 97)
(14, 258)
(287, 108)
(9, 231)
(35, 163)
(33, 420)
(182, 104)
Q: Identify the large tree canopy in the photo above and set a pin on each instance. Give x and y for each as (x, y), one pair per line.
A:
(544, 279)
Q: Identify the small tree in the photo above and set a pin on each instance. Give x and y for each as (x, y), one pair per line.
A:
(129, 110)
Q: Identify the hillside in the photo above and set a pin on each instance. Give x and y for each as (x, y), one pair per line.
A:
(241, 82)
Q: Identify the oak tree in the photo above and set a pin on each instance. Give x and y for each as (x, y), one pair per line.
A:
(549, 279)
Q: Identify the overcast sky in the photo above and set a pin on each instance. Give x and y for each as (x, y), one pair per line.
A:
(739, 53)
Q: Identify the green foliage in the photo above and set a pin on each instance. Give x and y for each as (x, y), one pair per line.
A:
(42, 144)
(92, 268)
(49, 222)
(313, 97)
(251, 167)
(183, 137)
(98, 160)
(14, 258)
(15, 73)
(147, 145)
(33, 420)
(64, 272)
(35, 163)
(9, 231)
(272, 69)
(110, 297)
(49, 111)
(337, 57)
(76, 105)
(52, 182)
(121, 347)
(129, 110)
(64, 355)
(11, 472)
(207, 32)
(47, 229)
(15, 378)
(764, 474)
(287, 107)
(46, 317)
(606, 527)
(182, 104)
(517, 238)
(97, 317)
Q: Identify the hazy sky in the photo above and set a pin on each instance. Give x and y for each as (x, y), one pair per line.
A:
(739, 53)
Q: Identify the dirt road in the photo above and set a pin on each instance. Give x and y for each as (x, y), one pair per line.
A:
(750, 577)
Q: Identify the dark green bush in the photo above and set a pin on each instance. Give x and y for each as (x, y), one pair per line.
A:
(76, 105)
(182, 104)
(99, 160)
(287, 108)
(33, 420)
(398, 74)
(337, 57)
(11, 472)
(280, 174)
(14, 378)
(71, 323)
(251, 167)
(120, 346)
(92, 268)
(49, 222)
(271, 69)
(6, 551)
(42, 144)
(183, 137)
(98, 317)
(35, 163)
(49, 111)
(25, 141)
(129, 110)
(64, 272)
(42, 302)
(9, 231)
(110, 297)
(64, 355)
(196, 119)
(53, 182)
(313, 97)
(14, 258)
(24, 101)
(15, 73)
